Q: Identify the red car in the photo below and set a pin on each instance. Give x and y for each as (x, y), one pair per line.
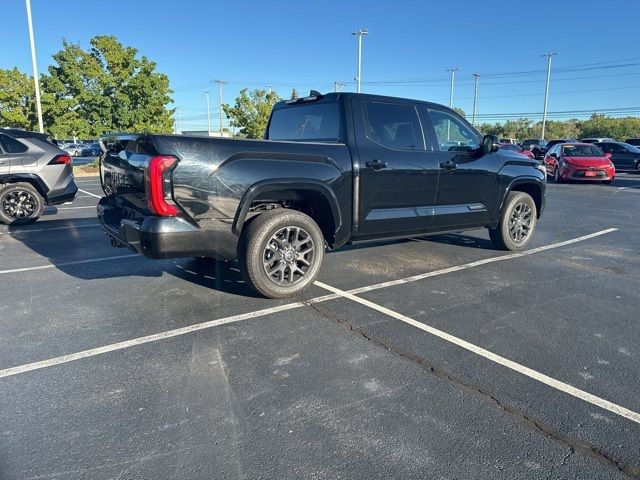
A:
(516, 148)
(579, 161)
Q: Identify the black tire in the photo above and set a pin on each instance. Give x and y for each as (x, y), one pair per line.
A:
(268, 243)
(20, 204)
(503, 236)
(607, 182)
(556, 175)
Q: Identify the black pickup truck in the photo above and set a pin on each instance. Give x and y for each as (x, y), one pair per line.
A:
(332, 169)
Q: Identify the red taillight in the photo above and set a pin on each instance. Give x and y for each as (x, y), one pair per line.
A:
(62, 159)
(159, 186)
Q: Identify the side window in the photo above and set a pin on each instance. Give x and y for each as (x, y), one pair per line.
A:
(394, 126)
(615, 148)
(452, 133)
(10, 145)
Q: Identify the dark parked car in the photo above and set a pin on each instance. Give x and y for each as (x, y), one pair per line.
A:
(33, 172)
(91, 150)
(625, 157)
(334, 168)
(535, 146)
(633, 141)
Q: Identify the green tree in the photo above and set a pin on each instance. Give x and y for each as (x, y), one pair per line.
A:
(251, 111)
(105, 88)
(460, 112)
(17, 105)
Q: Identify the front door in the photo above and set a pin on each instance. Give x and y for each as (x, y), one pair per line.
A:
(622, 159)
(468, 183)
(398, 177)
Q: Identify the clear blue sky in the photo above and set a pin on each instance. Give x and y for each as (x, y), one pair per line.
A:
(308, 45)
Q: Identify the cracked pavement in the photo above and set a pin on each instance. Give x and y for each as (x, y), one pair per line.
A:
(334, 389)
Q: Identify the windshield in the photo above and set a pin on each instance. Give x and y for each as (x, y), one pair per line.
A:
(318, 121)
(632, 149)
(581, 151)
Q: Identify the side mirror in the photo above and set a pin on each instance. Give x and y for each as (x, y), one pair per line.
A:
(490, 144)
(608, 155)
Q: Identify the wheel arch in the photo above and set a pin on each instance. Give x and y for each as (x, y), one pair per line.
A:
(29, 178)
(531, 186)
(312, 197)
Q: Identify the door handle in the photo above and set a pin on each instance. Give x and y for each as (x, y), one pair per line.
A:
(376, 164)
(448, 165)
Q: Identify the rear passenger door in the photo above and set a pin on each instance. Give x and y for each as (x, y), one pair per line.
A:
(468, 182)
(398, 177)
(16, 152)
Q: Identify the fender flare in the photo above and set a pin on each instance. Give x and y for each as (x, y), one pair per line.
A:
(30, 178)
(530, 180)
(285, 184)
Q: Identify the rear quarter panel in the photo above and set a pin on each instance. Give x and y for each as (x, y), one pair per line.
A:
(214, 174)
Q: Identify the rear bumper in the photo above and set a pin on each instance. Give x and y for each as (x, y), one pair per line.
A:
(56, 197)
(162, 237)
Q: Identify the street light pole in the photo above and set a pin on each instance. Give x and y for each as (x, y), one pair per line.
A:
(206, 92)
(475, 97)
(360, 33)
(36, 79)
(453, 79)
(546, 91)
(220, 82)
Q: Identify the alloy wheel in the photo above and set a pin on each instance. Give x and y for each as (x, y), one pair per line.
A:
(19, 204)
(288, 255)
(520, 222)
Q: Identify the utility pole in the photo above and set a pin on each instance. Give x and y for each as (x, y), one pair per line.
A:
(453, 78)
(206, 92)
(546, 91)
(360, 33)
(36, 78)
(176, 121)
(475, 97)
(220, 83)
(337, 86)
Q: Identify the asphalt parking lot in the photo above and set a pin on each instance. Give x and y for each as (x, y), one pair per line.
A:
(432, 357)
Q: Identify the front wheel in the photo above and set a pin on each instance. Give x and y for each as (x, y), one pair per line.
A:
(517, 223)
(20, 204)
(281, 252)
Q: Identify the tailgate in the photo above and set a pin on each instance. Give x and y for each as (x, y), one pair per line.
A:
(123, 173)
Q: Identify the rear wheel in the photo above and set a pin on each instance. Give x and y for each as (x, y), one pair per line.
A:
(20, 204)
(281, 252)
(517, 223)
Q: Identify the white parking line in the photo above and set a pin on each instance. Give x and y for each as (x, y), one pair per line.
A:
(478, 263)
(89, 193)
(236, 318)
(65, 264)
(35, 230)
(7, 372)
(505, 362)
(71, 208)
(629, 186)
